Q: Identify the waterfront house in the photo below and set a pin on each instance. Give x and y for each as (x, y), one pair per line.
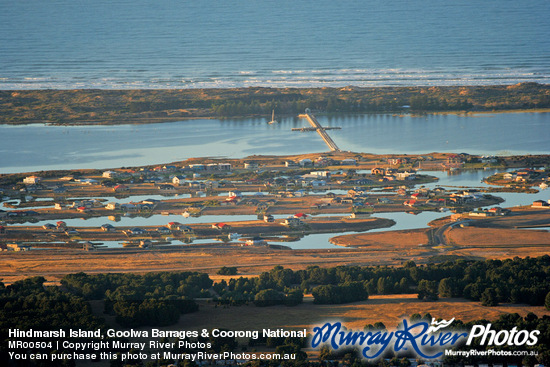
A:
(496, 210)
(292, 222)
(268, 218)
(17, 247)
(110, 174)
(88, 246)
(405, 176)
(174, 225)
(166, 187)
(150, 201)
(136, 231)
(377, 171)
(256, 241)
(88, 181)
(119, 188)
(112, 206)
(144, 206)
(221, 226)
(359, 215)
(540, 204)
(107, 228)
(145, 243)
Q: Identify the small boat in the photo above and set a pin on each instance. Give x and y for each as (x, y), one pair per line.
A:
(273, 121)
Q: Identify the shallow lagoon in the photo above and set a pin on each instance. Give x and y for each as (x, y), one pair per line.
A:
(22, 147)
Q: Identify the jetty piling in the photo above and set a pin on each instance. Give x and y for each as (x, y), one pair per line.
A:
(320, 129)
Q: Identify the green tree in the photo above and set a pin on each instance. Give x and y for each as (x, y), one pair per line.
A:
(445, 287)
(227, 270)
(489, 298)
(268, 297)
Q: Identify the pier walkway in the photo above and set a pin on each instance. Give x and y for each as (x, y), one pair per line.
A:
(321, 130)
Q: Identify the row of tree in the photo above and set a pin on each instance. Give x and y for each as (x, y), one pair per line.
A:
(491, 282)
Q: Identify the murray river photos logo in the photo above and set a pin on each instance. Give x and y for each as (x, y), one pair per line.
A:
(428, 341)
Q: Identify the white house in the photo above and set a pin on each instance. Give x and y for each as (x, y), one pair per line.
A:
(250, 165)
(224, 166)
(178, 180)
(110, 174)
(32, 180)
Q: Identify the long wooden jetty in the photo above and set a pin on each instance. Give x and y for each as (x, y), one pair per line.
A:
(320, 129)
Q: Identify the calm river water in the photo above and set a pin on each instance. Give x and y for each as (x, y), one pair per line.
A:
(39, 147)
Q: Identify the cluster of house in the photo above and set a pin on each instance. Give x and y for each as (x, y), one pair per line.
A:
(526, 175)
(32, 184)
(465, 197)
(296, 220)
(392, 174)
(17, 213)
(313, 180)
(320, 162)
(438, 197)
(14, 247)
(170, 228)
(60, 227)
(180, 180)
(144, 205)
(492, 212)
(481, 213)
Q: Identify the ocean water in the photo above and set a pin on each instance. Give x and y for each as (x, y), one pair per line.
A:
(66, 44)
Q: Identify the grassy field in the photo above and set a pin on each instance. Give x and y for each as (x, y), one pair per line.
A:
(149, 106)
(389, 309)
